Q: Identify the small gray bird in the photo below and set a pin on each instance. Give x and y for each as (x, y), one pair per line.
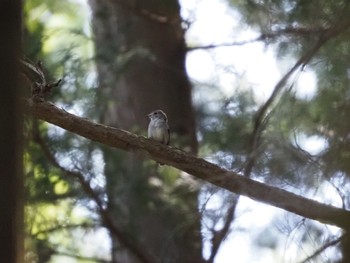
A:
(158, 128)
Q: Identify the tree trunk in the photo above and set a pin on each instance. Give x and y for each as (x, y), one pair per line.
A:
(140, 56)
(11, 183)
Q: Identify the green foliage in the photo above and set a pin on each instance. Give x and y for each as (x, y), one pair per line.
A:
(266, 14)
(57, 33)
(304, 20)
(280, 156)
(230, 126)
(292, 116)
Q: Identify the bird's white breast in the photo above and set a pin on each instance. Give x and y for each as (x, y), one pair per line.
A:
(157, 130)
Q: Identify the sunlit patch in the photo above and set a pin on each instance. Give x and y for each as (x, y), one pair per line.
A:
(200, 66)
(311, 144)
(306, 85)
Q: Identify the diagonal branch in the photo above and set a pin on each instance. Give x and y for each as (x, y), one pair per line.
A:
(197, 167)
(220, 235)
(323, 248)
(60, 227)
(260, 119)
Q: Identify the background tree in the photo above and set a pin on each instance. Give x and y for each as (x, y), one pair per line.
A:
(140, 58)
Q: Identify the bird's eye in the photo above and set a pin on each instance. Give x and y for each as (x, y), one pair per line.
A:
(156, 113)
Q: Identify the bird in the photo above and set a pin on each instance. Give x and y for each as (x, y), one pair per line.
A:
(158, 128)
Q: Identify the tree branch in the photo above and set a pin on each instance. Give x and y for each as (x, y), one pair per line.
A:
(283, 32)
(295, 31)
(323, 248)
(220, 235)
(60, 227)
(79, 257)
(197, 167)
(324, 35)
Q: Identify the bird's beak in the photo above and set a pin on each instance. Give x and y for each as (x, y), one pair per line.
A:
(148, 115)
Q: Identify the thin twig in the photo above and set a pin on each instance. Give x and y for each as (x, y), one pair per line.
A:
(141, 254)
(261, 117)
(301, 31)
(60, 227)
(40, 87)
(323, 248)
(220, 235)
(79, 257)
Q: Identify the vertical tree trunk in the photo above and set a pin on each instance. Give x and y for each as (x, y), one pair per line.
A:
(11, 184)
(140, 55)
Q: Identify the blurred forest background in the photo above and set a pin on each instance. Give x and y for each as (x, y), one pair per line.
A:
(119, 60)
